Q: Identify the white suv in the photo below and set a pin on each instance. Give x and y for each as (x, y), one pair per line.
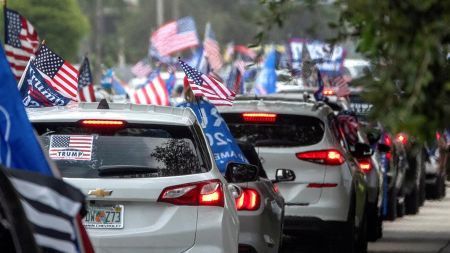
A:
(329, 192)
(149, 174)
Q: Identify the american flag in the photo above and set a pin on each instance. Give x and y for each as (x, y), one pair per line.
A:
(208, 87)
(340, 84)
(212, 49)
(175, 36)
(153, 93)
(235, 78)
(57, 72)
(141, 69)
(21, 41)
(65, 147)
(86, 91)
(349, 125)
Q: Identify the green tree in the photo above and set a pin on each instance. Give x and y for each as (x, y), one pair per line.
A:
(60, 23)
(408, 42)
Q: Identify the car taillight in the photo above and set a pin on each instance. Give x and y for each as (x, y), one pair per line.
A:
(328, 92)
(402, 138)
(389, 155)
(249, 200)
(102, 123)
(326, 157)
(365, 165)
(321, 185)
(261, 117)
(204, 193)
(387, 140)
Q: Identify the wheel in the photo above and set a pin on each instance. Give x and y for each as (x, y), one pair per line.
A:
(392, 205)
(374, 224)
(434, 191)
(412, 201)
(361, 242)
(346, 241)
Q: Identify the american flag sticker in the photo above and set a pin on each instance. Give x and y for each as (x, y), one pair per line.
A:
(71, 147)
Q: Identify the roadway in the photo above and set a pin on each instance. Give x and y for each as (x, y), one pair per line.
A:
(426, 232)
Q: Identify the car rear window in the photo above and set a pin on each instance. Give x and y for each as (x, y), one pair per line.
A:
(136, 150)
(286, 131)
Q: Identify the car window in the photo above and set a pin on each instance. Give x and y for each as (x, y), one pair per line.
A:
(285, 131)
(82, 152)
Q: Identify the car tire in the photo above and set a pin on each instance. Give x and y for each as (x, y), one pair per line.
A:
(345, 242)
(361, 242)
(412, 201)
(392, 205)
(434, 191)
(374, 224)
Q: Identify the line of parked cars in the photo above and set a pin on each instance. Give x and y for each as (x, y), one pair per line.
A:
(314, 167)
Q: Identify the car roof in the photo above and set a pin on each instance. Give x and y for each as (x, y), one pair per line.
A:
(146, 114)
(278, 103)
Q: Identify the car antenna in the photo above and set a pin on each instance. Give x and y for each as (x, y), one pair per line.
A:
(103, 104)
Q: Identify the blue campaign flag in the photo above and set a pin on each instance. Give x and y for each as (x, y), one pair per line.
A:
(35, 91)
(19, 147)
(170, 82)
(266, 80)
(221, 141)
(109, 81)
(318, 94)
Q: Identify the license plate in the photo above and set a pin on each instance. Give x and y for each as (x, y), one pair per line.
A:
(104, 217)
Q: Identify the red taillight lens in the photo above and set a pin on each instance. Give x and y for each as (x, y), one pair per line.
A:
(365, 166)
(389, 155)
(261, 117)
(249, 200)
(102, 123)
(387, 140)
(402, 138)
(204, 193)
(328, 92)
(326, 157)
(321, 185)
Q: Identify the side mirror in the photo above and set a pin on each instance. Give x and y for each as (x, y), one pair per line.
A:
(383, 148)
(241, 173)
(284, 175)
(362, 150)
(373, 137)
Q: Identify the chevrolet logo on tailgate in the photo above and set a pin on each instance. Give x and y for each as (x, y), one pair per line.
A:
(100, 192)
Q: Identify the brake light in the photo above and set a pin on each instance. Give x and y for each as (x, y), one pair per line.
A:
(326, 157)
(250, 200)
(328, 92)
(102, 123)
(204, 193)
(387, 140)
(321, 185)
(259, 117)
(389, 155)
(438, 136)
(365, 166)
(402, 138)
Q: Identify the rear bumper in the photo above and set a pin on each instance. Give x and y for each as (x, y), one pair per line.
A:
(301, 225)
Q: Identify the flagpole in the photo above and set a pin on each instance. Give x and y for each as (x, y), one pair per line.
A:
(22, 78)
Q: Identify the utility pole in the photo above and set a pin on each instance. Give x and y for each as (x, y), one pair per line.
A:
(98, 35)
(176, 9)
(159, 12)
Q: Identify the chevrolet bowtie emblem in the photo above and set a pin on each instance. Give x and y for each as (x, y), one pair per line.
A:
(99, 192)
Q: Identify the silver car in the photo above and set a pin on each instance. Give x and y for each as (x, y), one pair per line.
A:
(149, 174)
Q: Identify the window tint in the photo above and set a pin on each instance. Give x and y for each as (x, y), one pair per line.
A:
(134, 151)
(286, 131)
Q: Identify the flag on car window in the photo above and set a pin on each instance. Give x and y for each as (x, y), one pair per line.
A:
(21, 150)
(154, 92)
(175, 36)
(36, 92)
(212, 48)
(86, 91)
(207, 86)
(266, 79)
(57, 72)
(142, 68)
(21, 41)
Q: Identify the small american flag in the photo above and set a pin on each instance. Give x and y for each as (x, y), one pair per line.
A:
(175, 36)
(86, 91)
(57, 72)
(153, 93)
(141, 69)
(212, 49)
(208, 87)
(70, 147)
(340, 84)
(21, 41)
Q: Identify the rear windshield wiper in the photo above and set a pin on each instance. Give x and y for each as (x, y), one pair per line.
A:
(277, 142)
(124, 170)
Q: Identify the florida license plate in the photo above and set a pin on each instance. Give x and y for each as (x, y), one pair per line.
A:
(104, 217)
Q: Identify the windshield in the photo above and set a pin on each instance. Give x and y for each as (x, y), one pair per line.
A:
(286, 131)
(134, 151)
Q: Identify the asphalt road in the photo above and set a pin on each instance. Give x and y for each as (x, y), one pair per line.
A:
(426, 232)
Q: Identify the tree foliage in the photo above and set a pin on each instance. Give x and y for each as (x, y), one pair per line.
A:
(407, 42)
(60, 23)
